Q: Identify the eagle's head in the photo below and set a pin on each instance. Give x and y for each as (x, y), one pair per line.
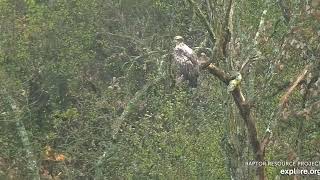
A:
(178, 39)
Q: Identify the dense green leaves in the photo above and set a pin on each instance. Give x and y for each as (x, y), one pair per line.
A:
(94, 80)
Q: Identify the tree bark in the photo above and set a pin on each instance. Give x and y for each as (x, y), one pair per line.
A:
(243, 106)
(32, 166)
(245, 112)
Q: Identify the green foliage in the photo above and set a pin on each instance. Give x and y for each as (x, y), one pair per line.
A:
(73, 68)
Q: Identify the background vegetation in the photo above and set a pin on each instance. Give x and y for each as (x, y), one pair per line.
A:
(88, 90)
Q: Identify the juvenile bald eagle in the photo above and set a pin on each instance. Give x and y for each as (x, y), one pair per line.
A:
(187, 62)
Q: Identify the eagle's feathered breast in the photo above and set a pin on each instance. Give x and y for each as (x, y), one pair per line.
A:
(187, 62)
(183, 53)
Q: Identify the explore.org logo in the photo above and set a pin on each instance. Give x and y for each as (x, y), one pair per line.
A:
(295, 171)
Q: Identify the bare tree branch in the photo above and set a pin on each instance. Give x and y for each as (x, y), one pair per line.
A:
(245, 112)
(204, 20)
(284, 98)
(285, 11)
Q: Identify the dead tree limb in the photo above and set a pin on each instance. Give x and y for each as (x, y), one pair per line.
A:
(284, 98)
(116, 126)
(31, 160)
(243, 106)
(204, 20)
(285, 11)
(245, 112)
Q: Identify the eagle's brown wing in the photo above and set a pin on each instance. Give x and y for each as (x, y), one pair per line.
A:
(182, 54)
(187, 61)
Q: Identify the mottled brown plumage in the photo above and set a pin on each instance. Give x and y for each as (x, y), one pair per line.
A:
(187, 62)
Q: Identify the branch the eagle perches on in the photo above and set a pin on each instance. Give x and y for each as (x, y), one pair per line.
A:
(245, 112)
(244, 107)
